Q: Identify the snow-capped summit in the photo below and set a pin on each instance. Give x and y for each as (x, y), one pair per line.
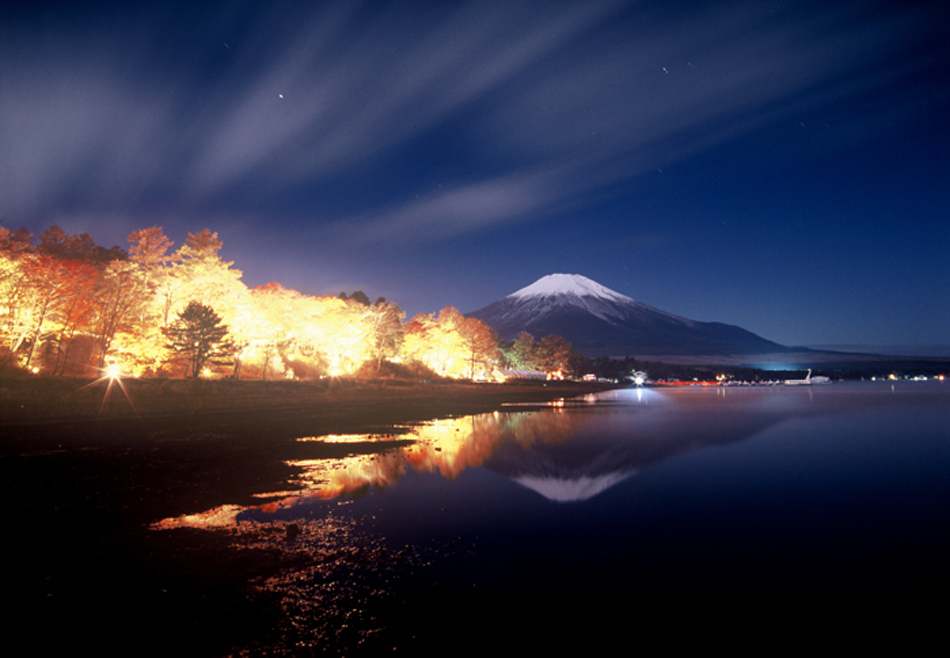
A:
(599, 321)
(568, 284)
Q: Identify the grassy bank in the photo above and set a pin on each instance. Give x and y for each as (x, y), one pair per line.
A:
(27, 400)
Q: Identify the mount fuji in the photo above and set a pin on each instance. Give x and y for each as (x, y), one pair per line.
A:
(602, 322)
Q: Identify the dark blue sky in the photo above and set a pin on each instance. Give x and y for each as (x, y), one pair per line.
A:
(783, 166)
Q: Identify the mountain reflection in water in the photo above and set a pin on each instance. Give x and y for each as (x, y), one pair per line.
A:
(446, 446)
(542, 507)
(567, 450)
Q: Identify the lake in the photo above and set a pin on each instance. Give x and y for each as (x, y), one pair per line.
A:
(589, 520)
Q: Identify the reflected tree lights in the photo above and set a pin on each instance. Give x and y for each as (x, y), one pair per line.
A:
(446, 447)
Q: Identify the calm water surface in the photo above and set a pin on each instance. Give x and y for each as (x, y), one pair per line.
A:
(837, 491)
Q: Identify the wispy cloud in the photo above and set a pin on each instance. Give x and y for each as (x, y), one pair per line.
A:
(547, 102)
(455, 211)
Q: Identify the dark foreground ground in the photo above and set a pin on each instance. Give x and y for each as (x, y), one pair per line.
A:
(36, 400)
(83, 570)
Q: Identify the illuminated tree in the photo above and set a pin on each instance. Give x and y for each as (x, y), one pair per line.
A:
(415, 338)
(51, 285)
(121, 293)
(69, 300)
(198, 338)
(448, 345)
(149, 253)
(55, 242)
(132, 303)
(201, 246)
(14, 291)
(50, 279)
(267, 328)
(553, 354)
(386, 328)
(13, 243)
(438, 343)
(74, 317)
(201, 274)
(149, 247)
(336, 332)
(48, 293)
(481, 347)
(196, 272)
(521, 353)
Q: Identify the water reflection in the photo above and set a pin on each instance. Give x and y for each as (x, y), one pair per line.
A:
(565, 450)
(446, 447)
(630, 490)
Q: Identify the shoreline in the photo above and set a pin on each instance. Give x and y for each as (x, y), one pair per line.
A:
(56, 401)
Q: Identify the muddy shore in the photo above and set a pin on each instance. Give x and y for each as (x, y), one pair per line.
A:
(86, 480)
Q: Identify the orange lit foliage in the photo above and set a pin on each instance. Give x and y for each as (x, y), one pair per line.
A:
(195, 272)
(385, 321)
(551, 355)
(48, 295)
(68, 291)
(287, 334)
(262, 330)
(481, 347)
(137, 342)
(60, 292)
(12, 284)
(337, 331)
(452, 345)
(70, 306)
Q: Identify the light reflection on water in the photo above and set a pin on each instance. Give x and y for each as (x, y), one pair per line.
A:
(566, 450)
(634, 486)
(446, 447)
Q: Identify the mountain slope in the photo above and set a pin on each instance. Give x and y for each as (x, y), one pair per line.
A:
(599, 321)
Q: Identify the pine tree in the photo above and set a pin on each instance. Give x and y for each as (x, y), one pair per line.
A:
(197, 338)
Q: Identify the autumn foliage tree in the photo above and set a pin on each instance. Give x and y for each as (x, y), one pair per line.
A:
(551, 355)
(49, 296)
(434, 341)
(451, 344)
(481, 347)
(197, 338)
(385, 320)
(68, 306)
(521, 352)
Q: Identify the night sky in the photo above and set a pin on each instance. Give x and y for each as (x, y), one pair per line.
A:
(783, 166)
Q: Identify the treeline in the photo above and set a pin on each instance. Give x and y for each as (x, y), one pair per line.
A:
(71, 307)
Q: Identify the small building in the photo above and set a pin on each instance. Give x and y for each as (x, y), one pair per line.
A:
(507, 375)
